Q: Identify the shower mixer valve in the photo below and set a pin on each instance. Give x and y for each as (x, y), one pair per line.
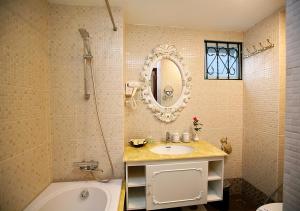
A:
(88, 166)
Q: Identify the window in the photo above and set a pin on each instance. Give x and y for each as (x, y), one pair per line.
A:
(223, 60)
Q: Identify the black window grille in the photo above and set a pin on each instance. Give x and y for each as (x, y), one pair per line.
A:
(223, 60)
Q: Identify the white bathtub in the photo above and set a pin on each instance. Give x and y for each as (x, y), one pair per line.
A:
(65, 196)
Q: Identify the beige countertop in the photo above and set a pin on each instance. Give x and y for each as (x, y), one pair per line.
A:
(202, 149)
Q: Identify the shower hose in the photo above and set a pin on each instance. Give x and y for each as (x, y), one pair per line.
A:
(99, 122)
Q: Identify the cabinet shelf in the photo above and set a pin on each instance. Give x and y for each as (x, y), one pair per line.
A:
(136, 176)
(214, 190)
(215, 170)
(212, 175)
(212, 196)
(136, 199)
(136, 182)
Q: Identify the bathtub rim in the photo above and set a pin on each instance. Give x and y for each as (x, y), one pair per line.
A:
(111, 189)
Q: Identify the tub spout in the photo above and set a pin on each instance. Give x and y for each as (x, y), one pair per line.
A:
(87, 166)
(92, 167)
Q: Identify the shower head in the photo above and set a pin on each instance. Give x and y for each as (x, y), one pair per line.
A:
(84, 34)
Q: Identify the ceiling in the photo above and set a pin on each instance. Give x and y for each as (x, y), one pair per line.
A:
(225, 15)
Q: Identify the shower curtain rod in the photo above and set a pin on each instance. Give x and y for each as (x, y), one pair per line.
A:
(111, 16)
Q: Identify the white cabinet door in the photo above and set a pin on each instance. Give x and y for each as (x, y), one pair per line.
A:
(176, 185)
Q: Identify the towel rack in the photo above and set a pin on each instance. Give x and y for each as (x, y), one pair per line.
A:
(258, 50)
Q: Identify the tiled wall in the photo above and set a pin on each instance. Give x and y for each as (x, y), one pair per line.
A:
(75, 131)
(219, 104)
(26, 153)
(25, 150)
(264, 94)
(291, 193)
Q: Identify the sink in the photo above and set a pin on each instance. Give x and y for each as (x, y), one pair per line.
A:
(172, 150)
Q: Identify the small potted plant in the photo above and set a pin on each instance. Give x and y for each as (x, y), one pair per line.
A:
(197, 128)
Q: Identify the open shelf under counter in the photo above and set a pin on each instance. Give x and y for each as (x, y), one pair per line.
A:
(136, 198)
(215, 190)
(215, 170)
(213, 196)
(136, 176)
(136, 181)
(212, 175)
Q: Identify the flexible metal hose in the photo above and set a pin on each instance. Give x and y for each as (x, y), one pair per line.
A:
(99, 121)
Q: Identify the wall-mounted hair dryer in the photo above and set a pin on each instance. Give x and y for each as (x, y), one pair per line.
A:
(131, 88)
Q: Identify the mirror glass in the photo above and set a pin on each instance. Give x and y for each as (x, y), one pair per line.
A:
(166, 82)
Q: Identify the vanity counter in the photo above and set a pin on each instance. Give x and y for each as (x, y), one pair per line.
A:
(202, 149)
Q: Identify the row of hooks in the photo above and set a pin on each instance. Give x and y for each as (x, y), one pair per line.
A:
(260, 49)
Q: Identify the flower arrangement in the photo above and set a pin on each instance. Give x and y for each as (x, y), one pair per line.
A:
(197, 128)
(197, 124)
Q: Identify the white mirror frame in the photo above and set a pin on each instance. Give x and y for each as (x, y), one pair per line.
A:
(165, 114)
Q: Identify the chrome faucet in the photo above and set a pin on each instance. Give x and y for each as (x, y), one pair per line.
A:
(168, 137)
(88, 166)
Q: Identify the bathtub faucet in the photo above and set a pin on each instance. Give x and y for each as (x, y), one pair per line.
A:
(88, 166)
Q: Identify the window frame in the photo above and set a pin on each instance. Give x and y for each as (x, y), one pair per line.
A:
(240, 61)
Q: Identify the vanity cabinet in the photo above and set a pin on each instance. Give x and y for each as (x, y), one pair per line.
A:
(176, 185)
(163, 184)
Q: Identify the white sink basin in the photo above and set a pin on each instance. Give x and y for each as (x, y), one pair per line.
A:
(172, 150)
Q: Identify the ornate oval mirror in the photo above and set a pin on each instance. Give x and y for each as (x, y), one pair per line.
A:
(167, 83)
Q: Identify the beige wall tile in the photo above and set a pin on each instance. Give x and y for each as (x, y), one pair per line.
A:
(25, 152)
(32, 154)
(264, 96)
(24, 177)
(219, 104)
(75, 130)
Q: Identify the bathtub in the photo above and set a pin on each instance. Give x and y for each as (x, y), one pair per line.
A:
(78, 196)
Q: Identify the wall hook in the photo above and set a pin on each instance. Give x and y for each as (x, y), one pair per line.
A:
(261, 46)
(261, 49)
(270, 44)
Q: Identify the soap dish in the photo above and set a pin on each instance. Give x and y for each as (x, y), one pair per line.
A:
(138, 142)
